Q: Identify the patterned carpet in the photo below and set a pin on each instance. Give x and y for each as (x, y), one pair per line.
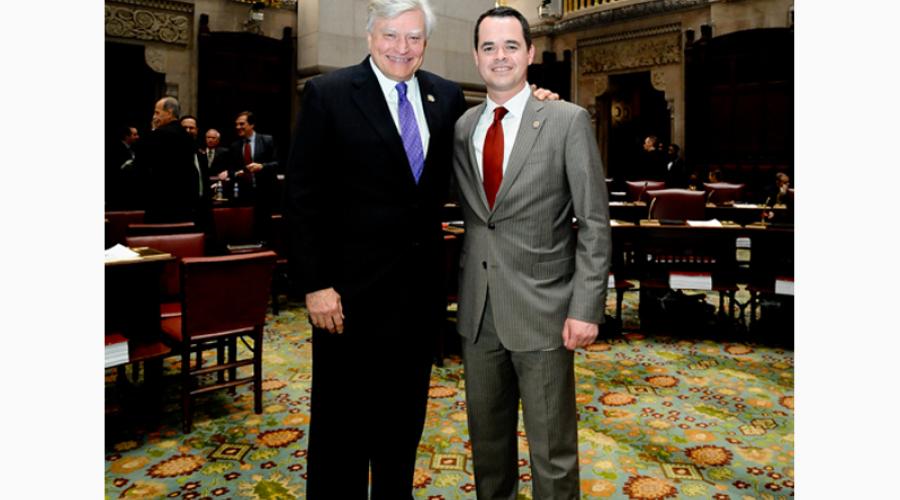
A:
(660, 417)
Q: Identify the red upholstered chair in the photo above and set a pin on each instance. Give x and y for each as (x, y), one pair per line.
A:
(161, 228)
(117, 224)
(179, 245)
(637, 190)
(721, 193)
(223, 298)
(232, 226)
(677, 204)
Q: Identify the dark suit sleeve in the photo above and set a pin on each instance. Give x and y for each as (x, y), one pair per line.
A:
(310, 197)
(271, 153)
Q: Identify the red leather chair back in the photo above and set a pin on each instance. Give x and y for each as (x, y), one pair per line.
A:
(161, 228)
(723, 192)
(117, 224)
(233, 225)
(677, 204)
(179, 245)
(637, 190)
(225, 294)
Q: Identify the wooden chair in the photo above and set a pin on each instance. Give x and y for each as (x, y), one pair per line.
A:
(721, 193)
(677, 204)
(637, 190)
(223, 298)
(142, 229)
(181, 246)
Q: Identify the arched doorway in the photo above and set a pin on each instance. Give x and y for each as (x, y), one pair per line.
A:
(633, 109)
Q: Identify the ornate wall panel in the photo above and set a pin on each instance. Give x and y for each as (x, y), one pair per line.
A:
(163, 21)
(635, 50)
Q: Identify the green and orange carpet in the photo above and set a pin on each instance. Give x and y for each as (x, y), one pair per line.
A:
(660, 417)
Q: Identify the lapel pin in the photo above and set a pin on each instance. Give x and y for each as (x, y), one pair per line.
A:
(535, 124)
(430, 98)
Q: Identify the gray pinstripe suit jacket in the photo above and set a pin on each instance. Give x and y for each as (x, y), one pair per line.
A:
(539, 270)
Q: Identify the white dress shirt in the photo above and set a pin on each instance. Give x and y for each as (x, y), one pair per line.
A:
(515, 107)
(413, 95)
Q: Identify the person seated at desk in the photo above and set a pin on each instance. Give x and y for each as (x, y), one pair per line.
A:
(777, 194)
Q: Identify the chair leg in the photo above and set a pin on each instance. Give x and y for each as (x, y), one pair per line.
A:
(257, 369)
(620, 297)
(274, 300)
(220, 359)
(186, 388)
(232, 357)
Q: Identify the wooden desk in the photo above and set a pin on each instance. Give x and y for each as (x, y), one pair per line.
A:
(741, 214)
(648, 251)
(132, 302)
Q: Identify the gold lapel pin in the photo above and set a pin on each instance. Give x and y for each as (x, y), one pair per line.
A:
(430, 98)
(535, 124)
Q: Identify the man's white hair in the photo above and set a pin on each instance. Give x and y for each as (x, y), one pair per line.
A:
(389, 9)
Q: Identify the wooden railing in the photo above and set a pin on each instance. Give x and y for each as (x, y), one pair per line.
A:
(570, 6)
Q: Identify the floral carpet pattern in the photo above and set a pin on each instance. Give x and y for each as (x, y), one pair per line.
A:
(659, 418)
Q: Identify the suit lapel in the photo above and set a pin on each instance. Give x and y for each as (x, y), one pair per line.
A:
(525, 138)
(474, 179)
(369, 98)
(432, 117)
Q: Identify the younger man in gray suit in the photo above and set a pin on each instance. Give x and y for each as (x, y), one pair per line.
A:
(532, 288)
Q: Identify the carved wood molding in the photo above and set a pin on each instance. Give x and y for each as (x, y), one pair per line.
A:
(642, 49)
(165, 21)
(612, 14)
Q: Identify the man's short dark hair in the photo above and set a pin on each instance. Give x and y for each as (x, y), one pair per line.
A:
(192, 117)
(506, 12)
(125, 131)
(675, 147)
(249, 114)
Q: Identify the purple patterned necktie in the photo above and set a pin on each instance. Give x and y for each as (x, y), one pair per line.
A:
(409, 132)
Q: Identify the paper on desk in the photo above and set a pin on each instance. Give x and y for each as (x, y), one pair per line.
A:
(119, 252)
(704, 223)
(746, 205)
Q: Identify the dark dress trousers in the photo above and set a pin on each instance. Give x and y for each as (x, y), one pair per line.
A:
(164, 160)
(360, 224)
(257, 190)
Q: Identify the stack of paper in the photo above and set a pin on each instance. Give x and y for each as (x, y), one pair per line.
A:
(119, 252)
(690, 281)
(116, 350)
(784, 286)
(704, 223)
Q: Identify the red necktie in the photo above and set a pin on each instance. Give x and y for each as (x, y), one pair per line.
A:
(492, 156)
(248, 158)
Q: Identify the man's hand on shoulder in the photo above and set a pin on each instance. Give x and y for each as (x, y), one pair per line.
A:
(577, 333)
(542, 94)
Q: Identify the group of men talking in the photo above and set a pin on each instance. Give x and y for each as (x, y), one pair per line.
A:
(375, 147)
(170, 175)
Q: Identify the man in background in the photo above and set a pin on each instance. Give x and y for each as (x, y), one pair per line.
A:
(254, 167)
(119, 178)
(164, 160)
(212, 155)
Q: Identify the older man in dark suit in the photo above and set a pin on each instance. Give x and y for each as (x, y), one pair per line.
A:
(164, 160)
(367, 177)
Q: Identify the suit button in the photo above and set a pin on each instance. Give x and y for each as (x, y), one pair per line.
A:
(491, 226)
(484, 264)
